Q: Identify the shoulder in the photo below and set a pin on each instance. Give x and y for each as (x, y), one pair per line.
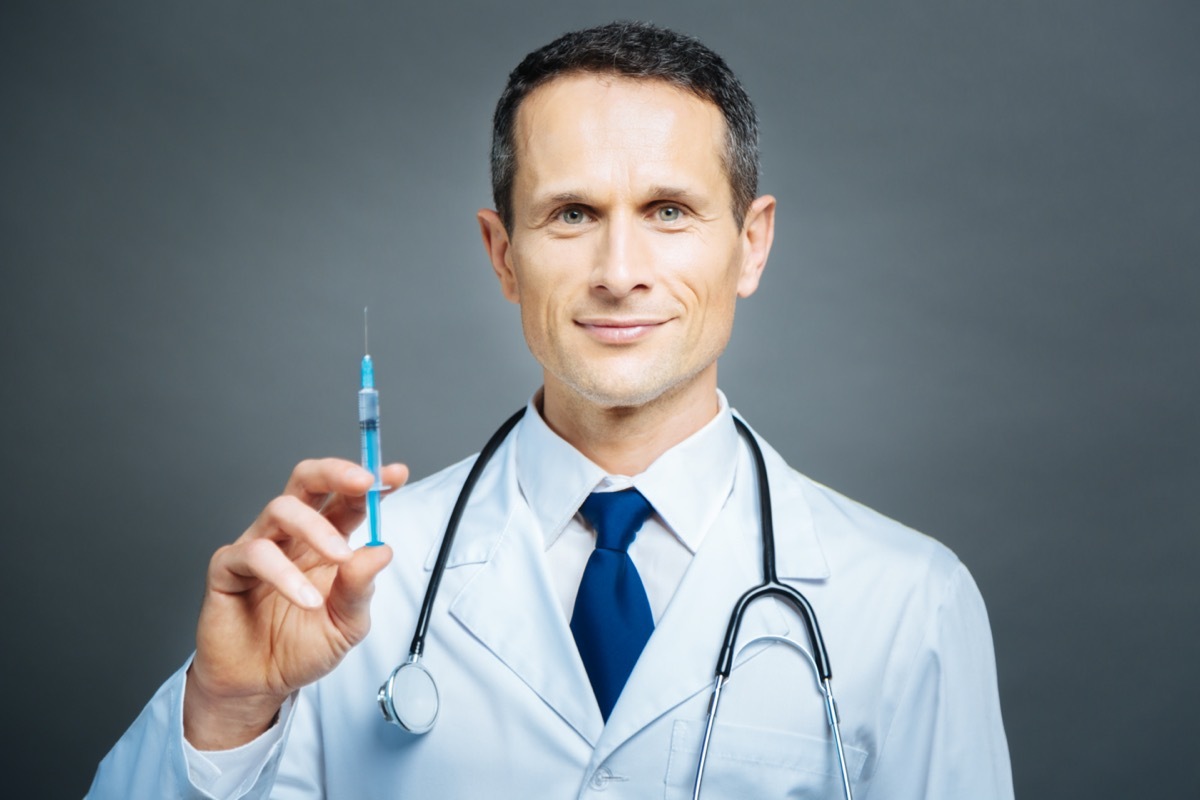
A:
(854, 540)
(888, 586)
(844, 524)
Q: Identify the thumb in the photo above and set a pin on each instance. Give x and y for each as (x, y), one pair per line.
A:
(349, 598)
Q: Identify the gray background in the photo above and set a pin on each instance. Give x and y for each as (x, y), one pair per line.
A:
(981, 317)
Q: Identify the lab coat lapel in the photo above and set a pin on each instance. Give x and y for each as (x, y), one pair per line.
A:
(510, 606)
(680, 658)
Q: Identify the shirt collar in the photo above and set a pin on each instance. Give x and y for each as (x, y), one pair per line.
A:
(687, 485)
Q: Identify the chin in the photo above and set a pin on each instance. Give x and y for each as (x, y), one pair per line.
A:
(621, 398)
(626, 391)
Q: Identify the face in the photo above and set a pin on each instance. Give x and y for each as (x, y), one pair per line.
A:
(624, 254)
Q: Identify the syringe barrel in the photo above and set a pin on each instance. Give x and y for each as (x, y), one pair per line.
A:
(368, 409)
(368, 428)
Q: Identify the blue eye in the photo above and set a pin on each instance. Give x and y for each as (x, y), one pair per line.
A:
(572, 216)
(669, 213)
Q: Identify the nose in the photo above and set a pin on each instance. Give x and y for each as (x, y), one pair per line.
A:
(623, 262)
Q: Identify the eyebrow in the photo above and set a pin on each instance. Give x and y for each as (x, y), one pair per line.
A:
(564, 197)
(673, 193)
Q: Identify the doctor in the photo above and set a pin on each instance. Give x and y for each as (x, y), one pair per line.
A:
(627, 225)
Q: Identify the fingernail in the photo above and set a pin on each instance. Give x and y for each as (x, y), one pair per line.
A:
(310, 597)
(340, 547)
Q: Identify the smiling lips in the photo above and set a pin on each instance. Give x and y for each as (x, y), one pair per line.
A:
(612, 331)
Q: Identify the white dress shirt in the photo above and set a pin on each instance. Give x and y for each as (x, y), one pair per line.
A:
(687, 486)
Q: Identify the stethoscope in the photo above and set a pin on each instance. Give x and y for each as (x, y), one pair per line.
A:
(409, 697)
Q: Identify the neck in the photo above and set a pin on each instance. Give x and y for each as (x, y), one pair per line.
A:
(625, 440)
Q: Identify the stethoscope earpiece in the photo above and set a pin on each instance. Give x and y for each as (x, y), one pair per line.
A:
(409, 697)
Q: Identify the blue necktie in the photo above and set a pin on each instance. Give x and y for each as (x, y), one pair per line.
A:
(612, 618)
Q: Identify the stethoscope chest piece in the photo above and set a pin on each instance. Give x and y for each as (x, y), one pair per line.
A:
(409, 697)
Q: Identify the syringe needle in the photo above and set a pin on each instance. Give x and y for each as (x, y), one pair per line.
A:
(366, 348)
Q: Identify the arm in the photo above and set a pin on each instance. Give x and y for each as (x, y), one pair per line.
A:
(283, 605)
(946, 740)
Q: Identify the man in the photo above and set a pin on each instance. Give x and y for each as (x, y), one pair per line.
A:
(626, 226)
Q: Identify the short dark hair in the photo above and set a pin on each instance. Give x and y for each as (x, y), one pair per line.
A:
(635, 50)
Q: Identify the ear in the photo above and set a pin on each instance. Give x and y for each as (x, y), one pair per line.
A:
(758, 232)
(495, 242)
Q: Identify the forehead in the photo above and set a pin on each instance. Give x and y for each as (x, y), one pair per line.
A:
(599, 128)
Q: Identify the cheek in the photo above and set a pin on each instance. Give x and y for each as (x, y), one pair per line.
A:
(718, 313)
(541, 304)
(547, 272)
(534, 309)
(709, 289)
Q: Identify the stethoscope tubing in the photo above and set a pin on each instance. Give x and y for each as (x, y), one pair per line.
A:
(771, 586)
(417, 648)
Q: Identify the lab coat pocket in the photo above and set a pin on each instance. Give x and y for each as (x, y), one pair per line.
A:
(756, 762)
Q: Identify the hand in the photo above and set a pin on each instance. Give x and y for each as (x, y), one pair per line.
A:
(283, 604)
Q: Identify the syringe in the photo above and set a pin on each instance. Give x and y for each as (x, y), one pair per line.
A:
(368, 427)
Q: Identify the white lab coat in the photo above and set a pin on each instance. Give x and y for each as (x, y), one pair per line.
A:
(906, 629)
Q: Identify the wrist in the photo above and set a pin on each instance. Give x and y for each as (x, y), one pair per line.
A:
(217, 722)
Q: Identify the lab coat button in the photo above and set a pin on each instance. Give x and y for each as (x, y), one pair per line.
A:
(600, 779)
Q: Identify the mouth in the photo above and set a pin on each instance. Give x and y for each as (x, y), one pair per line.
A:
(619, 331)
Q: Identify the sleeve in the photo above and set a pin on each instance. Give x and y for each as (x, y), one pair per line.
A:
(946, 740)
(153, 759)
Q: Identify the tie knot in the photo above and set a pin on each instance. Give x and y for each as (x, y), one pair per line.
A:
(616, 517)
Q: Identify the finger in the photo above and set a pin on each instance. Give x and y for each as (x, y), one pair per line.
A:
(314, 479)
(288, 517)
(394, 476)
(350, 595)
(237, 567)
(346, 512)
